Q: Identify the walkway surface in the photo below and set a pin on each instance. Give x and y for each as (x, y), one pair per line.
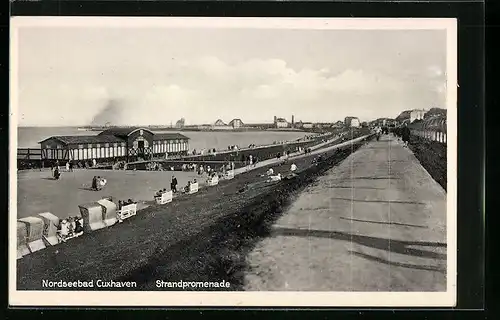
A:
(376, 222)
(316, 149)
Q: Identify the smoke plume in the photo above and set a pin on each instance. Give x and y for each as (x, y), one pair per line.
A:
(110, 115)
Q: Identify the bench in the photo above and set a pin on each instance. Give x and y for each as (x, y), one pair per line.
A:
(213, 181)
(127, 211)
(50, 225)
(166, 197)
(109, 215)
(92, 214)
(34, 234)
(193, 188)
(229, 175)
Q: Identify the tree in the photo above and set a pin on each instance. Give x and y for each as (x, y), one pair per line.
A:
(433, 112)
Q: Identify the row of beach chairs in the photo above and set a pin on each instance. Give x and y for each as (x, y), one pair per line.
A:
(164, 197)
(46, 229)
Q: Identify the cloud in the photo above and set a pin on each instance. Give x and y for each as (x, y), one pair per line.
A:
(206, 88)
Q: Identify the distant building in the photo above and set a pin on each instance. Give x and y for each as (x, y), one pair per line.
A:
(114, 143)
(220, 125)
(411, 115)
(236, 123)
(382, 122)
(307, 125)
(280, 122)
(352, 122)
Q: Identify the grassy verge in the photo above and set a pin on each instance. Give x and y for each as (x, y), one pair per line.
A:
(432, 156)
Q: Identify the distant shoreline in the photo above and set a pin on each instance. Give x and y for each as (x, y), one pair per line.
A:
(244, 129)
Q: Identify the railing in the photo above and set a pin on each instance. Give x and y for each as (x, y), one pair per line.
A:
(433, 129)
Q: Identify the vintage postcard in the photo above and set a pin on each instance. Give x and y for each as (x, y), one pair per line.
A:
(233, 162)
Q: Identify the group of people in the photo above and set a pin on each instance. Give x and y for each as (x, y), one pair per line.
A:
(69, 166)
(272, 177)
(403, 133)
(154, 166)
(192, 167)
(252, 161)
(201, 169)
(70, 228)
(174, 183)
(119, 165)
(56, 173)
(98, 183)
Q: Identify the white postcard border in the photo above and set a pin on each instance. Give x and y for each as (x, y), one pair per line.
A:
(244, 299)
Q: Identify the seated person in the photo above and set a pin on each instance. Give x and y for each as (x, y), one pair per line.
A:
(78, 226)
(71, 226)
(274, 178)
(63, 234)
(270, 172)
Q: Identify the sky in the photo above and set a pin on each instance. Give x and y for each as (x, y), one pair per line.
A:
(70, 76)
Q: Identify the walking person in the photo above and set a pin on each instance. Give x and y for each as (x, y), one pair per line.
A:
(378, 132)
(173, 184)
(94, 183)
(405, 134)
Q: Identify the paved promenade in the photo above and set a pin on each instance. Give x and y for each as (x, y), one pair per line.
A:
(376, 222)
(317, 149)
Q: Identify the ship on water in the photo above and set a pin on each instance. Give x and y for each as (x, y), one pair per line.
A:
(95, 128)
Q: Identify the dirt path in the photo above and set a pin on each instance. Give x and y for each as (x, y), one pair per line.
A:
(376, 222)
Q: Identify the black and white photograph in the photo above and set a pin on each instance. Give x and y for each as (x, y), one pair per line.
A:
(233, 162)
